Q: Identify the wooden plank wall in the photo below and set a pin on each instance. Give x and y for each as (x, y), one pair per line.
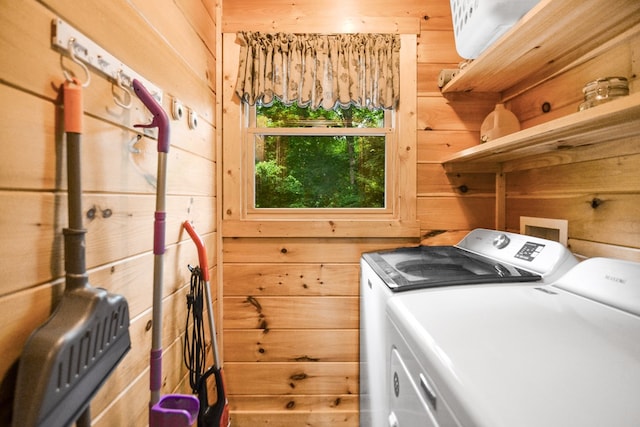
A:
(172, 44)
(291, 329)
(449, 205)
(291, 303)
(291, 316)
(596, 188)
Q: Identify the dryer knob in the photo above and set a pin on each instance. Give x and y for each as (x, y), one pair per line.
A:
(501, 241)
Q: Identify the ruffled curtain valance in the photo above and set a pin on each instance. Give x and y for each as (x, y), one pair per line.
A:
(316, 70)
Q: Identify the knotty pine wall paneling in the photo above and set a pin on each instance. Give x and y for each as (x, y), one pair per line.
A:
(291, 329)
(291, 303)
(449, 204)
(289, 322)
(172, 44)
(595, 187)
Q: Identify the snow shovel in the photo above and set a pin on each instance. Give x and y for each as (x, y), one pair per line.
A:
(172, 410)
(66, 360)
(216, 415)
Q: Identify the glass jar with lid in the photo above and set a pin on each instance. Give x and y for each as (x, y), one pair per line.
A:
(604, 90)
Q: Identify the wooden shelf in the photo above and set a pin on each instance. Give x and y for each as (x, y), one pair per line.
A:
(551, 37)
(614, 120)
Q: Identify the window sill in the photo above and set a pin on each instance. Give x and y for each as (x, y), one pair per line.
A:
(320, 228)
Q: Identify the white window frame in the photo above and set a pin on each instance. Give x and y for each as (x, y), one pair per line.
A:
(251, 132)
(400, 221)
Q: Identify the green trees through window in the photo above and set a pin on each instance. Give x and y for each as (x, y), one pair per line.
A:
(319, 158)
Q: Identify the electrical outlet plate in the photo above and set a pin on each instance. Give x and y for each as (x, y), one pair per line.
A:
(546, 228)
(177, 110)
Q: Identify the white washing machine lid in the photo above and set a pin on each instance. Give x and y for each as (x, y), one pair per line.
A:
(483, 256)
(406, 269)
(532, 356)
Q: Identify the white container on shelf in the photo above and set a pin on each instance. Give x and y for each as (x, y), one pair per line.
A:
(499, 122)
(479, 23)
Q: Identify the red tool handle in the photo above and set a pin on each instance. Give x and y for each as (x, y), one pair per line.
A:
(202, 250)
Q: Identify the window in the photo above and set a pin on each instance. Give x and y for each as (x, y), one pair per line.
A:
(307, 158)
(242, 132)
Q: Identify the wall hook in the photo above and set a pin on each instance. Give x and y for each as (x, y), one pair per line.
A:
(95, 57)
(127, 92)
(132, 144)
(67, 75)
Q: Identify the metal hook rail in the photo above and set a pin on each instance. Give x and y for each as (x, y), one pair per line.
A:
(83, 50)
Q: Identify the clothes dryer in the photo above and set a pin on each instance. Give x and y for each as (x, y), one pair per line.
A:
(564, 354)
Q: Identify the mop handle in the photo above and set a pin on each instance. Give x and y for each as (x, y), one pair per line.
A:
(202, 251)
(172, 410)
(160, 119)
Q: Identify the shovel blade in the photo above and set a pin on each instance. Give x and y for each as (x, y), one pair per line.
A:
(67, 359)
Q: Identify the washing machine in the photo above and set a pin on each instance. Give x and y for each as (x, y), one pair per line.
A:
(554, 355)
(482, 258)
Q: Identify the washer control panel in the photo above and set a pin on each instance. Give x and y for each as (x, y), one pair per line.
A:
(531, 253)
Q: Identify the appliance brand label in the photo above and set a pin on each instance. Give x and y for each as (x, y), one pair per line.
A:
(615, 279)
